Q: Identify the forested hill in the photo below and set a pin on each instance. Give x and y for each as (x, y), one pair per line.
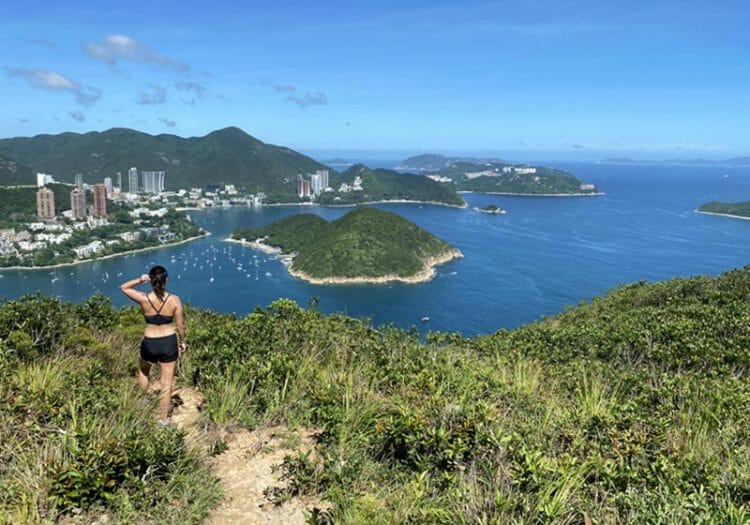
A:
(500, 177)
(227, 156)
(737, 209)
(364, 243)
(629, 409)
(13, 173)
(384, 184)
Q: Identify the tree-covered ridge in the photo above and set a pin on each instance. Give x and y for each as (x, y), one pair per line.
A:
(366, 242)
(739, 209)
(384, 185)
(499, 177)
(227, 156)
(14, 173)
(629, 409)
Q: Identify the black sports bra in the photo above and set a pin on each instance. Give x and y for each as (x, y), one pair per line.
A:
(157, 318)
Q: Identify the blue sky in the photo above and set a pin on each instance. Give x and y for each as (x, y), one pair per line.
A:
(525, 79)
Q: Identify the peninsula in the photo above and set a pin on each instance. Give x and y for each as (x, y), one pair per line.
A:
(510, 179)
(367, 245)
(737, 210)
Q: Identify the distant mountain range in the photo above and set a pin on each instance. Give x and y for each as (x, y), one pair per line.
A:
(432, 162)
(735, 162)
(226, 156)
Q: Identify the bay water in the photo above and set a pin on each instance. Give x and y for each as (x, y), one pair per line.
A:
(545, 254)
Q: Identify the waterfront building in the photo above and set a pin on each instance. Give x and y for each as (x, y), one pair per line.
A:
(100, 199)
(153, 181)
(45, 204)
(133, 180)
(78, 203)
(323, 174)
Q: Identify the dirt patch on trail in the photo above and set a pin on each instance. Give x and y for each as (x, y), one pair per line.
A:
(246, 467)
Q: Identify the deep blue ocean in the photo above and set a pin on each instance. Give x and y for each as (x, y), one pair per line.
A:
(546, 254)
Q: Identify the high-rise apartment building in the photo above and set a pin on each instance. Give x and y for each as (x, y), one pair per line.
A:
(108, 185)
(133, 180)
(45, 204)
(153, 181)
(79, 181)
(43, 179)
(303, 187)
(323, 174)
(100, 201)
(119, 181)
(78, 203)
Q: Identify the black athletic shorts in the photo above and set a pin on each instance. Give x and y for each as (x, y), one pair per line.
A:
(160, 349)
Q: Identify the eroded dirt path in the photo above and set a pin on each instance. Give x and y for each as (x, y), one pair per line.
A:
(246, 468)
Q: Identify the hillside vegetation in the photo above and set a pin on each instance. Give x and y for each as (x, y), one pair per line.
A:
(545, 181)
(383, 185)
(740, 209)
(227, 156)
(629, 409)
(365, 242)
(14, 173)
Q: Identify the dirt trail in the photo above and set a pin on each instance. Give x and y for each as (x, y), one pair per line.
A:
(246, 467)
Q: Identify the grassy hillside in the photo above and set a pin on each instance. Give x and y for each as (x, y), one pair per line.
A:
(13, 172)
(382, 184)
(366, 242)
(740, 209)
(544, 181)
(629, 409)
(226, 156)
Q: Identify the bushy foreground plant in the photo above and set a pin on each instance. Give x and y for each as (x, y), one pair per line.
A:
(78, 440)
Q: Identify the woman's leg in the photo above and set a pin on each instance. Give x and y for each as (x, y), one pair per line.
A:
(167, 374)
(144, 368)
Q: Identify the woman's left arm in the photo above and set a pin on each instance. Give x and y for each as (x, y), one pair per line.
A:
(128, 288)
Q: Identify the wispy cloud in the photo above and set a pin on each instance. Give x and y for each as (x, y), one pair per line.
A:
(157, 95)
(53, 81)
(23, 120)
(114, 48)
(198, 90)
(167, 122)
(77, 115)
(317, 98)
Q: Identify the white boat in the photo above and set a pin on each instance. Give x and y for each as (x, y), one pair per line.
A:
(425, 319)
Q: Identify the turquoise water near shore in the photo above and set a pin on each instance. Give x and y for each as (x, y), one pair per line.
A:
(543, 255)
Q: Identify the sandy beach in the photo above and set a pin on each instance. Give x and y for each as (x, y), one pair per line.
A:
(110, 256)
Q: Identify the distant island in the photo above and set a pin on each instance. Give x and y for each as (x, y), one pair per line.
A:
(738, 210)
(431, 162)
(509, 179)
(367, 245)
(736, 162)
(490, 210)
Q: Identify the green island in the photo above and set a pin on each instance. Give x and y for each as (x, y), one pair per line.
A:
(360, 184)
(27, 242)
(490, 210)
(366, 245)
(731, 209)
(503, 178)
(631, 408)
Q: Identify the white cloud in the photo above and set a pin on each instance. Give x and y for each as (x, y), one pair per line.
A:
(53, 81)
(77, 115)
(114, 48)
(308, 99)
(158, 95)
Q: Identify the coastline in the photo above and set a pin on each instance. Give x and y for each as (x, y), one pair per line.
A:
(392, 201)
(110, 256)
(425, 274)
(508, 194)
(729, 215)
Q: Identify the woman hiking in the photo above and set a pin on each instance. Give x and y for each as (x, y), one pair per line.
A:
(162, 312)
